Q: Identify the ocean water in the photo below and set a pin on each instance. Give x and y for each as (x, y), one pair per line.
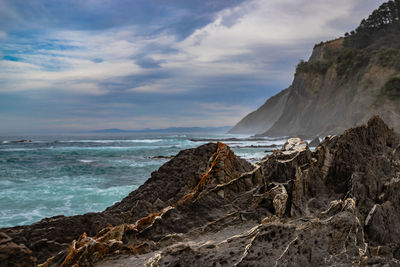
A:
(71, 175)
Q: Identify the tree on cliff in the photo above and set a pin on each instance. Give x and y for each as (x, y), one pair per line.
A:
(382, 22)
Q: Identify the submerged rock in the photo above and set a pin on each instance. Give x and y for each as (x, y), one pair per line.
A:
(20, 141)
(338, 205)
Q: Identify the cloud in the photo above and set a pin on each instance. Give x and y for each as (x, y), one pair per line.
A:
(181, 63)
(249, 39)
(254, 37)
(160, 87)
(76, 61)
(277, 23)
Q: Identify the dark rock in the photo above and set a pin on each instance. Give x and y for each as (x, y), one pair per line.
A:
(282, 165)
(52, 235)
(338, 205)
(13, 255)
(170, 183)
(20, 141)
(315, 142)
(161, 157)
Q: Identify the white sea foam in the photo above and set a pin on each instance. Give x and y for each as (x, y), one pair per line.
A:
(86, 160)
(114, 141)
(16, 149)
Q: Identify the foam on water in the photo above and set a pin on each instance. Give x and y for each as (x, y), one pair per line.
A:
(86, 160)
(114, 141)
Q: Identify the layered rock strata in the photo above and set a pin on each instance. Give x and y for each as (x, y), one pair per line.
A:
(338, 205)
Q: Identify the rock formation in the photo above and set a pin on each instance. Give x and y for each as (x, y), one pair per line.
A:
(13, 255)
(338, 205)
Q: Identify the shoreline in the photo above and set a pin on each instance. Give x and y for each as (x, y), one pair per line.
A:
(239, 201)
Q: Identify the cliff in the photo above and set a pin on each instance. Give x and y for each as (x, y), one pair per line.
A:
(327, 101)
(343, 84)
(263, 118)
(338, 205)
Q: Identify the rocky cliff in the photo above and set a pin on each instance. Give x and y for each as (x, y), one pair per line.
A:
(259, 121)
(344, 83)
(323, 102)
(338, 205)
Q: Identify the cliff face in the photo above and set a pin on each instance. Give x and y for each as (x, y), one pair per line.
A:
(328, 103)
(263, 118)
(338, 88)
(338, 205)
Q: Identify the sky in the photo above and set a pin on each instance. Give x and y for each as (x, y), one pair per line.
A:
(73, 65)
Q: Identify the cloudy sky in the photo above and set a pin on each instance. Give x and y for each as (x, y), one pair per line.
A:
(82, 65)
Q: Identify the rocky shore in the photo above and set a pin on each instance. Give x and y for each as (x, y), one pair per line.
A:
(338, 205)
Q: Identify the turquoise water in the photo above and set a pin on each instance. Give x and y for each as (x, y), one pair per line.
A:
(72, 175)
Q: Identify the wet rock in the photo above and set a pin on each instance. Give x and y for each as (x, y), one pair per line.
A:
(161, 157)
(20, 141)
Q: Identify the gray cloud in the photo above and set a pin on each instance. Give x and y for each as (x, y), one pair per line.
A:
(159, 72)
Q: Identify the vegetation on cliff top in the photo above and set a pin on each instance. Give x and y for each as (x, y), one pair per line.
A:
(376, 40)
(380, 29)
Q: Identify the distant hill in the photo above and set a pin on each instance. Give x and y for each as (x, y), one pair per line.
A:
(344, 83)
(222, 129)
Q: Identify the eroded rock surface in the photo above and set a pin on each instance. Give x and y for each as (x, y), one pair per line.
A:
(336, 206)
(14, 255)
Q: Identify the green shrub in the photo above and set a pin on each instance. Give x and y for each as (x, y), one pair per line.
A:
(318, 67)
(389, 58)
(350, 61)
(391, 89)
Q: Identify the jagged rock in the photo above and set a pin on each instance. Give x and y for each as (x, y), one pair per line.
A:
(315, 142)
(280, 200)
(191, 211)
(170, 183)
(338, 205)
(13, 255)
(167, 185)
(52, 235)
(281, 165)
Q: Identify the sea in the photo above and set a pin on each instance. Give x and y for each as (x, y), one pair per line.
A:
(45, 176)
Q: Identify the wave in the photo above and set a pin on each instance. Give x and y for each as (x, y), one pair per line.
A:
(86, 160)
(77, 148)
(113, 141)
(16, 149)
